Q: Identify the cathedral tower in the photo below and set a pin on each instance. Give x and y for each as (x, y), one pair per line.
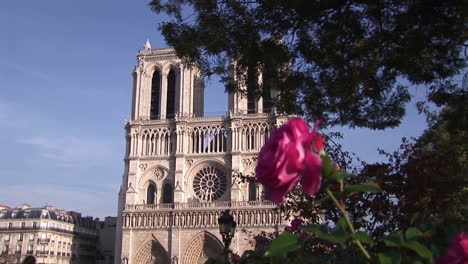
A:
(180, 167)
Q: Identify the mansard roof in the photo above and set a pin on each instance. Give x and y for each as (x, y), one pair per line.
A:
(48, 212)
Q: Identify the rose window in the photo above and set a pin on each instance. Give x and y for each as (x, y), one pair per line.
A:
(209, 184)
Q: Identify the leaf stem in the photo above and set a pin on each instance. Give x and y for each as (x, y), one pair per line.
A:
(348, 221)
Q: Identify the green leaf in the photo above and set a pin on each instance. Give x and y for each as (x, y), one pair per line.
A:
(283, 244)
(323, 199)
(327, 167)
(368, 187)
(419, 248)
(338, 235)
(340, 175)
(414, 217)
(412, 233)
(363, 237)
(392, 241)
(389, 258)
(342, 223)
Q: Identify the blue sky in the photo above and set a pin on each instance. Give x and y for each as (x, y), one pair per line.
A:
(65, 93)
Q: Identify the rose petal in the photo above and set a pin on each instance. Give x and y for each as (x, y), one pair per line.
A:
(277, 195)
(312, 174)
(317, 141)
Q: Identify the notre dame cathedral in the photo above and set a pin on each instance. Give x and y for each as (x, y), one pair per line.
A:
(181, 166)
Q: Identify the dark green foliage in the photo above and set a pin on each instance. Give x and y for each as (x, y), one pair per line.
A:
(336, 61)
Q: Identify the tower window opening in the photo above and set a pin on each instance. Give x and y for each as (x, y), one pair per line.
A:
(155, 88)
(266, 95)
(150, 194)
(252, 191)
(167, 193)
(171, 90)
(251, 103)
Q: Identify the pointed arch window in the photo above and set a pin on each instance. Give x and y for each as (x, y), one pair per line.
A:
(252, 86)
(151, 194)
(167, 193)
(155, 88)
(266, 94)
(251, 103)
(171, 90)
(252, 191)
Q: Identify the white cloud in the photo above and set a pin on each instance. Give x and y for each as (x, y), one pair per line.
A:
(53, 142)
(71, 150)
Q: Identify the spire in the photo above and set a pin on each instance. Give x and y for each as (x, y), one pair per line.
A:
(147, 45)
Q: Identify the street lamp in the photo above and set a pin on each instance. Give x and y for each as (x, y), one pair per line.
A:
(227, 229)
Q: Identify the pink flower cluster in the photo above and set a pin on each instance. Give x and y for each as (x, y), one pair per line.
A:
(291, 155)
(458, 253)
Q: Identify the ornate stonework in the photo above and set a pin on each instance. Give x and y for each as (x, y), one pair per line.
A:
(180, 167)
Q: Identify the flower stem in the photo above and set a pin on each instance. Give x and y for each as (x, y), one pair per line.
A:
(348, 221)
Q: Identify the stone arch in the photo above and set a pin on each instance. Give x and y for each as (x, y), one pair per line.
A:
(152, 252)
(171, 65)
(156, 174)
(154, 66)
(167, 192)
(202, 247)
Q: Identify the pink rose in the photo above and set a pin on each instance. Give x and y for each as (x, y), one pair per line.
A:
(288, 229)
(287, 158)
(458, 253)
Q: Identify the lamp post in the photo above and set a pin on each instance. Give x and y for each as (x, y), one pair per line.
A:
(227, 229)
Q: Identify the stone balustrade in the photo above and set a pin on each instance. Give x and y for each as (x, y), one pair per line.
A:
(200, 215)
(198, 205)
(199, 135)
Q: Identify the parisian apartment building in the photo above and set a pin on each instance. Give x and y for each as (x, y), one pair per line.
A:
(54, 236)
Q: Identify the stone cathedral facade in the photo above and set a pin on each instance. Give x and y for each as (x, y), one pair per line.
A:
(180, 167)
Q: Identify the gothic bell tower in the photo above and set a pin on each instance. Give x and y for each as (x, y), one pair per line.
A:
(181, 166)
(164, 88)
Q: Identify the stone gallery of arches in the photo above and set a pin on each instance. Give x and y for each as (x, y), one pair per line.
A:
(180, 166)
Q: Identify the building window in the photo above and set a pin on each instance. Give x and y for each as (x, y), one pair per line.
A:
(23, 225)
(151, 194)
(252, 84)
(266, 95)
(10, 225)
(34, 225)
(251, 109)
(7, 237)
(155, 88)
(171, 83)
(209, 184)
(30, 249)
(18, 249)
(167, 193)
(252, 191)
(20, 237)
